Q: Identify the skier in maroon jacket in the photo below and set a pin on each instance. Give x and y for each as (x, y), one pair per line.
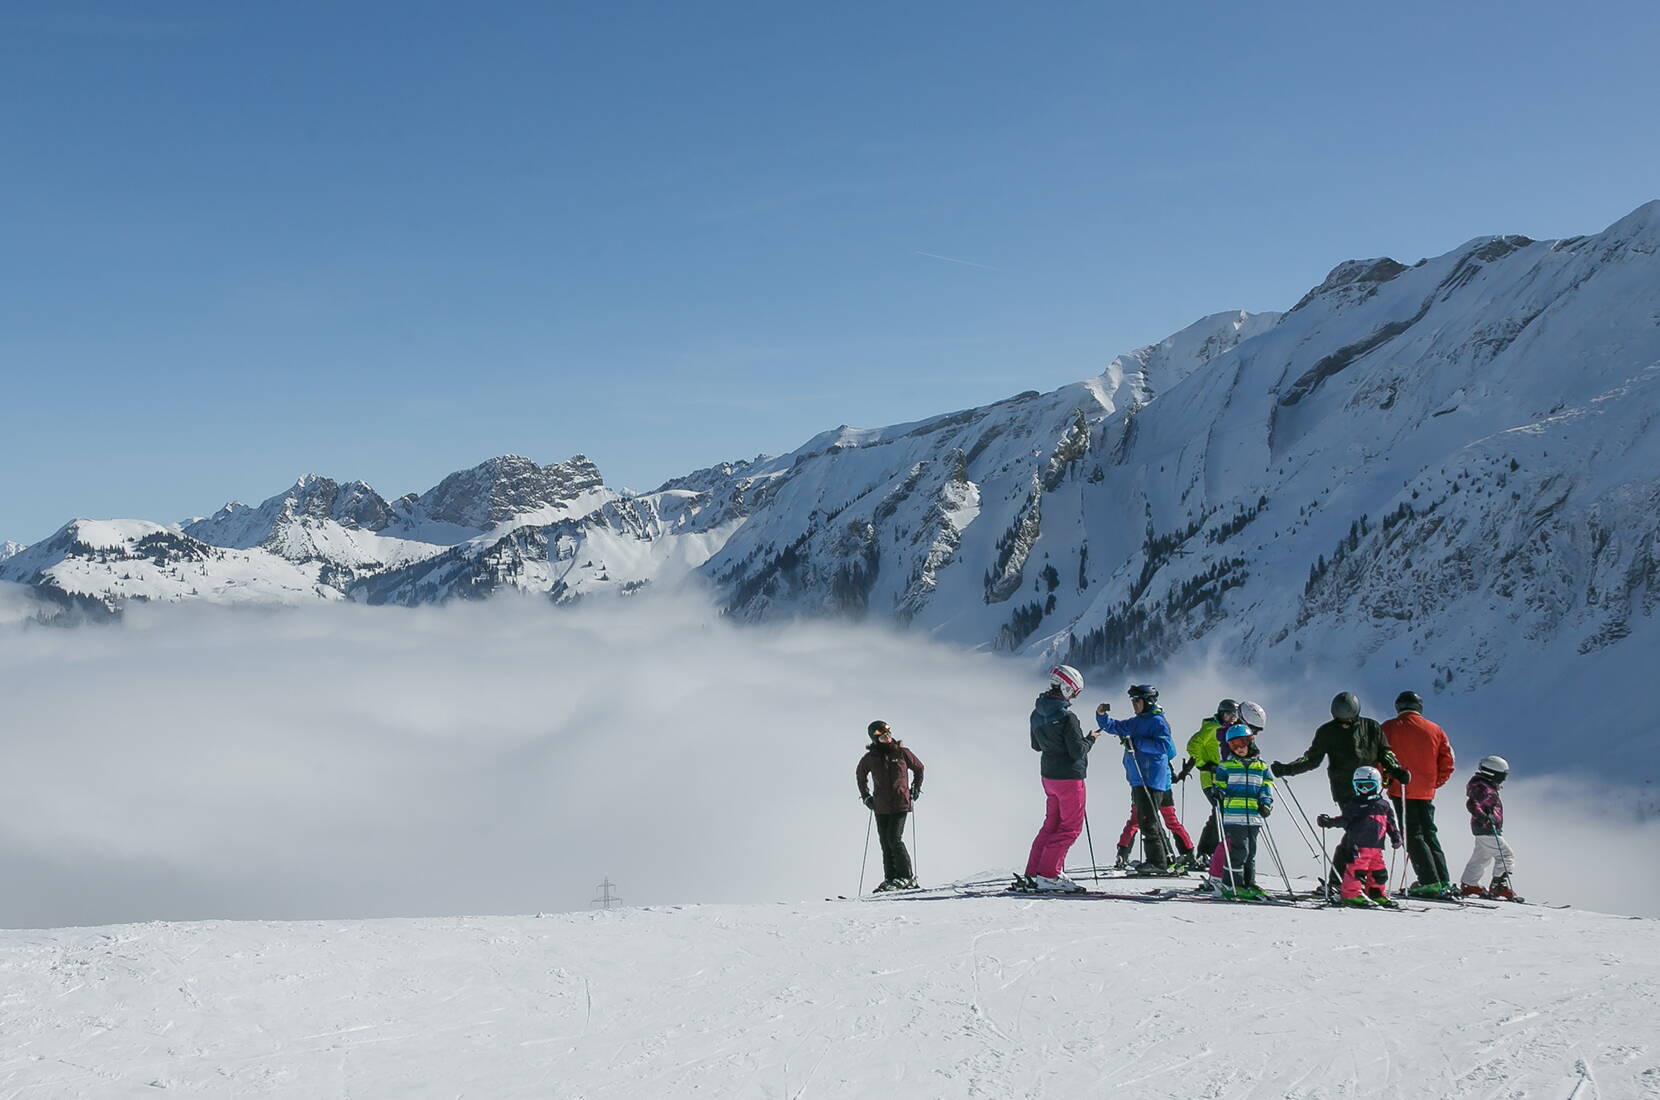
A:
(895, 782)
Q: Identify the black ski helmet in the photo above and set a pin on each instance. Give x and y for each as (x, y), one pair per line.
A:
(1147, 693)
(1345, 707)
(1227, 706)
(1409, 700)
(876, 727)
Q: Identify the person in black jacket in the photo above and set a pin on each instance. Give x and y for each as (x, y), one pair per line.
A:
(1346, 743)
(895, 776)
(1060, 737)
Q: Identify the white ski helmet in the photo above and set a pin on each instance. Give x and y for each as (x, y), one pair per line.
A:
(1368, 782)
(1253, 715)
(1494, 765)
(1068, 679)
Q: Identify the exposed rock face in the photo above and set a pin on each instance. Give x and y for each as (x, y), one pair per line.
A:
(502, 489)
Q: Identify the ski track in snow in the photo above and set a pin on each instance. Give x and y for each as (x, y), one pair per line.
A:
(979, 997)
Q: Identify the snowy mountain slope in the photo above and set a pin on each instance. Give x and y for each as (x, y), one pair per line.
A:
(8, 549)
(1428, 470)
(620, 547)
(311, 541)
(97, 563)
(985, 997)
(1460, 463)
(876, 521)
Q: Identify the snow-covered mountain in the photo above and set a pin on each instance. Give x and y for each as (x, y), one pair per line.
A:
(1428, 466)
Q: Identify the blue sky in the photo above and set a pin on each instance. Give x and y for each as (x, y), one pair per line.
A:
(390, 240)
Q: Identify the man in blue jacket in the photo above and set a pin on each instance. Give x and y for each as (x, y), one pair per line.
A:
(1148, 750)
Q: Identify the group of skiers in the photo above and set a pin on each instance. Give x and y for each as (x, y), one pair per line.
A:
(1413, 752)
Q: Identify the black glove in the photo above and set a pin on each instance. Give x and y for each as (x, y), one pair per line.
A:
(1265, 810)
(916, 792)
(1324, 821)
(1277, 768)
(870, 803)
(1187, 770)
(1402, 775)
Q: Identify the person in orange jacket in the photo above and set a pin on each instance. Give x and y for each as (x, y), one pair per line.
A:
(1423, 749)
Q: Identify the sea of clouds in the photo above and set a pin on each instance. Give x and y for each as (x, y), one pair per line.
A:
(506, 756)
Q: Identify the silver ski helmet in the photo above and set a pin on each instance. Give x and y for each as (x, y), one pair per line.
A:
(1345, 707)
(1253, 715)
(1368, 782)
(1068, 679)
(1409, 700)
(1495, 767)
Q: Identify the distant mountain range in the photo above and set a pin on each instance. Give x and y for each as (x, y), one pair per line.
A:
(1431, 464)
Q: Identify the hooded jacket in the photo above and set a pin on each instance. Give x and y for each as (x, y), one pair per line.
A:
(1423, 749)
(890, 767)
(1481, 798)
(1151, 747)
(1058, 735)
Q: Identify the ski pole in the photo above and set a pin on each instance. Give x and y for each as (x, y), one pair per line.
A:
(1406, 839)
(1222, 842)
(1286, 780)
(871, 820)
(1274, 850)
(916, 849)
(1094, 869)
(1325, 869)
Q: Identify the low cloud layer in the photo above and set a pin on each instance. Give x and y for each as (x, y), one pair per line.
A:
(504, 757)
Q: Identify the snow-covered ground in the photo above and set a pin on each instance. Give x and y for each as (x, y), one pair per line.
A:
(984, 997)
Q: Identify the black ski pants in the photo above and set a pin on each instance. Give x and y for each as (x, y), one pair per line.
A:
(1146, 803)
(1241, 869)
(1423, 843)
(896, 859)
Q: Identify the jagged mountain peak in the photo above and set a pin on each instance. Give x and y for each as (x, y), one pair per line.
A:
(508, 487)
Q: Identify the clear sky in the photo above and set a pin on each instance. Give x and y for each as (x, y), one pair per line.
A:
(241, 242)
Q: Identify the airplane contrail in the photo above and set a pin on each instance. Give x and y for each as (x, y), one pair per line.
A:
(953, 260)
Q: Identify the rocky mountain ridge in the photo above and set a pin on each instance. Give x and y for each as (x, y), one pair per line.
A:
(1430, 465)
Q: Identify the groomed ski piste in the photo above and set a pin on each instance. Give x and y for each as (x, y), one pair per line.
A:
(956, 992)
